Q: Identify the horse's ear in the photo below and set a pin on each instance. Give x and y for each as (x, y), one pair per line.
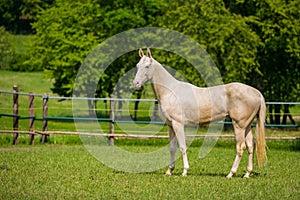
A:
(141, 53)
(149, 53)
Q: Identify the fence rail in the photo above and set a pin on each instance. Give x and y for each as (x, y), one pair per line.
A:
(111, 119)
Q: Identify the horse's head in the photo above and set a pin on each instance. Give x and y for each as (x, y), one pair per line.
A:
(144, 69)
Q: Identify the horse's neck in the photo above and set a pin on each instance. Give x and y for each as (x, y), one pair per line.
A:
(162, 80)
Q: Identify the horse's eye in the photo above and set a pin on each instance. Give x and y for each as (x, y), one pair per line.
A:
(147, 67)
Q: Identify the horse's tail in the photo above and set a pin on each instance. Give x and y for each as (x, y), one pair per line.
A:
(260, 134)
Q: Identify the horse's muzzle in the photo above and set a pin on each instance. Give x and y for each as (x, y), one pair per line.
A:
(137, 84)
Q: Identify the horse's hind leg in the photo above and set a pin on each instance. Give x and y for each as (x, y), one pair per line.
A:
(240, 147)
(249, 144)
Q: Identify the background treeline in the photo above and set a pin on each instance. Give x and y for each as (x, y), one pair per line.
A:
(255, 42)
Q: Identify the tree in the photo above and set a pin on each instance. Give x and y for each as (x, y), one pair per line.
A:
(70, 30)
(277, 24)
(10, 14)
(227, 37)
(65, 35)
(280, 28)
(18, 15)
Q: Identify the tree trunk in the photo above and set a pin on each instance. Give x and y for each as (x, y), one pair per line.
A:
(136, 104)
(271, 114)
(287, 114)
(120, 103)
(91, 107)
(277, 113)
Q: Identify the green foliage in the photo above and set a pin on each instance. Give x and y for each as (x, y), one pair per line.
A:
(9, 14)
(13, 52)
(32, 8)
(6, 49)
(277, 24)
(279, 29)
(22, 45)
(226, 37)
(67, 32)
(63, 40)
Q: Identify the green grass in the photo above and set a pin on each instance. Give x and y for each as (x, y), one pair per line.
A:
(70, 172)
(27, 81)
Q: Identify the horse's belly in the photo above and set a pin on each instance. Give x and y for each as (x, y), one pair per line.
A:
(209, 119)
(203, 116)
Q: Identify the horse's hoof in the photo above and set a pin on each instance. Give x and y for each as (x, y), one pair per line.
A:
(246, 176)
(184, 173)
(168, 172)
(229, 176)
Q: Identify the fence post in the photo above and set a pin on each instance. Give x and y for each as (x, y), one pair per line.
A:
(16, 117)
(45, 114)
(31, 117)
(112, 117)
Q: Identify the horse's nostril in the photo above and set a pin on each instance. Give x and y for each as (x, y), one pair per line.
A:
(136, 84)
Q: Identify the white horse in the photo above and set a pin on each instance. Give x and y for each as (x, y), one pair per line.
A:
(183, 104)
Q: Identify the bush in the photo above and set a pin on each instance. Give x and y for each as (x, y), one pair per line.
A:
(20, 63)
(22, 45)
(14, 52)
(6, 49)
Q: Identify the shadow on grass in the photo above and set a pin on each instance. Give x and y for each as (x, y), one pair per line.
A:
(175, 174)
(195, 174)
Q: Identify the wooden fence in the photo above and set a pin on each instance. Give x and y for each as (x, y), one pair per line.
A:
(32, 118)
(45, 118)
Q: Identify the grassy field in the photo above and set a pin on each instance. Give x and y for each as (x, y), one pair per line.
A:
(70, 172)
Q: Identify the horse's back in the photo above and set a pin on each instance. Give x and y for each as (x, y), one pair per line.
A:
(243, 102)
(242, 92)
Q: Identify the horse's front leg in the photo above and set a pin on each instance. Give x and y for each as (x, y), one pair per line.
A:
(179, 132)
(173, 146)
